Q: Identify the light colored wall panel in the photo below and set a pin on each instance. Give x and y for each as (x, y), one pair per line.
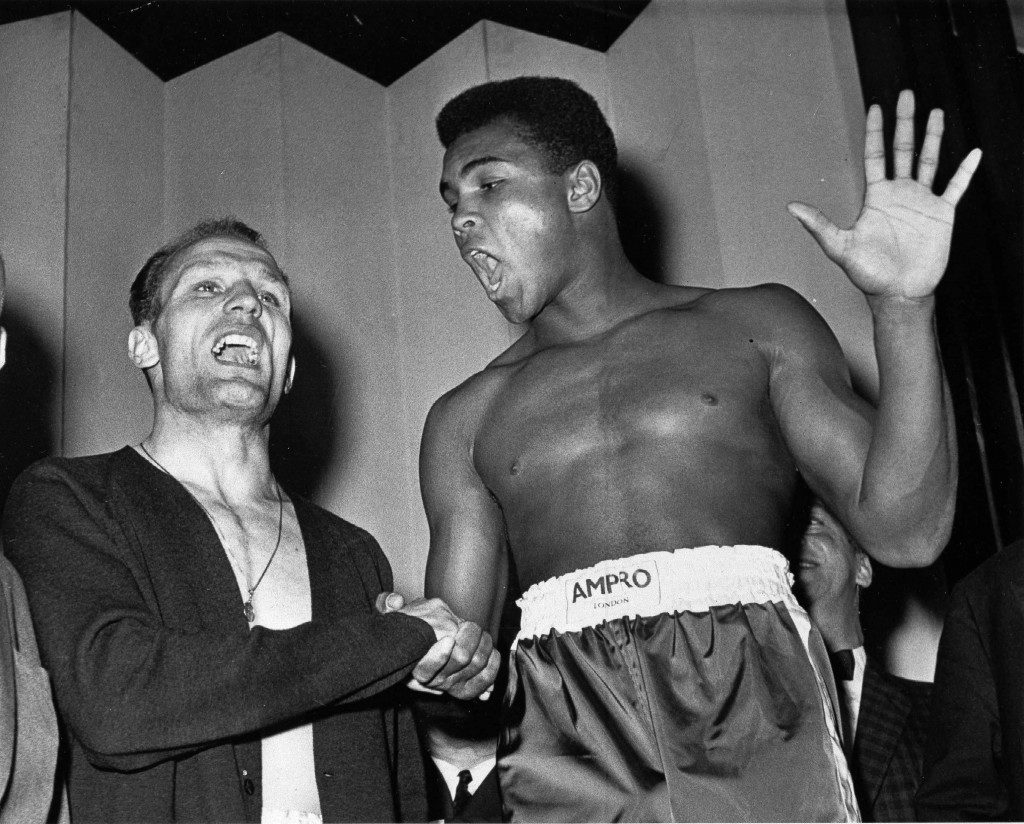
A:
(912, 648)
(115, 220)
(846, 310)
(222, 138)
(33, 205)
(777, 130)
(447, 329)
(337, 247)
(659, 127)
(512, 53)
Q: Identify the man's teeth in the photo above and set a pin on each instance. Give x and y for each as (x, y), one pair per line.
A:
(486, 264)
(252, 355)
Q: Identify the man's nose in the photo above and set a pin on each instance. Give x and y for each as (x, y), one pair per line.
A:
(462, 220)
(243, 298)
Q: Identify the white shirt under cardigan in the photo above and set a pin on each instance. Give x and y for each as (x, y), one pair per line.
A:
(284, 600)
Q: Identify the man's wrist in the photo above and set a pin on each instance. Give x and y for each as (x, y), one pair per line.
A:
(898, 310)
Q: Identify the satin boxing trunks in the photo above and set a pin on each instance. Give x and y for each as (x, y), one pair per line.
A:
(672, 686)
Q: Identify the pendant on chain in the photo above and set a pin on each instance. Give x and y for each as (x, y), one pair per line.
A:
(247, 610)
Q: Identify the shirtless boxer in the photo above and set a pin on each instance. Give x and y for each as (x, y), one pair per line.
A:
(637, 452)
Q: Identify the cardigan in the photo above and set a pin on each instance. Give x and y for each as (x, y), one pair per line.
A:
(164, 689)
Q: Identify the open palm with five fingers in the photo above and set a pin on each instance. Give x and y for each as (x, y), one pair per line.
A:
(899, 246)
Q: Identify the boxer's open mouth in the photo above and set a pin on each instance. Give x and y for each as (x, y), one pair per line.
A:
(485, 267)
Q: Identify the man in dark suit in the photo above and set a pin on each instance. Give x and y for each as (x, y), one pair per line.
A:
(885, 717)
(974, 768)
(461, 742)
(29, 787)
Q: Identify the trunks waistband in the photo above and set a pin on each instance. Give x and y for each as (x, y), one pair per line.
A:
(681, 580)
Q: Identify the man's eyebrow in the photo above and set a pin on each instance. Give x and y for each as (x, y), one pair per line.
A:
(276, 274)
(222, 259)
(469, 166)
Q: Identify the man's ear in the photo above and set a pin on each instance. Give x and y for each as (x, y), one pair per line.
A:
(584, 186)
(291, 375)
(143, 349)
(864, 570)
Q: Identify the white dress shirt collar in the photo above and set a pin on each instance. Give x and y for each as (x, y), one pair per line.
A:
(850, 693)
(450, 773)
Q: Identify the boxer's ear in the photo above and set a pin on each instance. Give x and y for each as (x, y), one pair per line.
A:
(584, 186)
(143, 348)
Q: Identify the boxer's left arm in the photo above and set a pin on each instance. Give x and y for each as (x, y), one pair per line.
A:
(467, 565)
(898, 491)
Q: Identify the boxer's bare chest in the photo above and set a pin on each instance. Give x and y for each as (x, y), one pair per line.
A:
(637, 437)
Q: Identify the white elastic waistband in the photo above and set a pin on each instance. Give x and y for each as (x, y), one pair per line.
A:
(683, 580)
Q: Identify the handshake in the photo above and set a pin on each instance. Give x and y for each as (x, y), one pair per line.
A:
(462, 662)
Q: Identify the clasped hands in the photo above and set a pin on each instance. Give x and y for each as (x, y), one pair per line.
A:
(462, 662)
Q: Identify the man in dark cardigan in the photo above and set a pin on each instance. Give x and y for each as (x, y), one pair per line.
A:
(218, 648)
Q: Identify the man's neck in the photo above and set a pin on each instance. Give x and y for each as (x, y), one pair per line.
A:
(606, 291)
(227, 461)
(461, 752)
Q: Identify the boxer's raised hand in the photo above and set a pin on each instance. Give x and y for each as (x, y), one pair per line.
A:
(899, 246)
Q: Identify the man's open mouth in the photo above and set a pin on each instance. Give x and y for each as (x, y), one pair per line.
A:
(237, 349)
(485, 267)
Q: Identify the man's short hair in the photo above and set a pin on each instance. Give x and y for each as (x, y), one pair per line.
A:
(552, 114)
(144, 298)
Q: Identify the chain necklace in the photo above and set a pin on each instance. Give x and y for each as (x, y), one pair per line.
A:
(247, 610)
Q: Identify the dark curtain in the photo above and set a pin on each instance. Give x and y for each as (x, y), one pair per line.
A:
(960, 55)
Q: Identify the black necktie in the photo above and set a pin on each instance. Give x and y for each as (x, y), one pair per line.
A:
(842, 664)
(462, 794)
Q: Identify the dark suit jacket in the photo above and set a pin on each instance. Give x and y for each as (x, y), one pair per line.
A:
(484, 805)
(163, 687)
(29, 788)
(974, 769)
(888, 747)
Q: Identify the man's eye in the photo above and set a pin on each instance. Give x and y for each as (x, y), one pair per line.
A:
(206, 286)
(490, 184)
(270, 298)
